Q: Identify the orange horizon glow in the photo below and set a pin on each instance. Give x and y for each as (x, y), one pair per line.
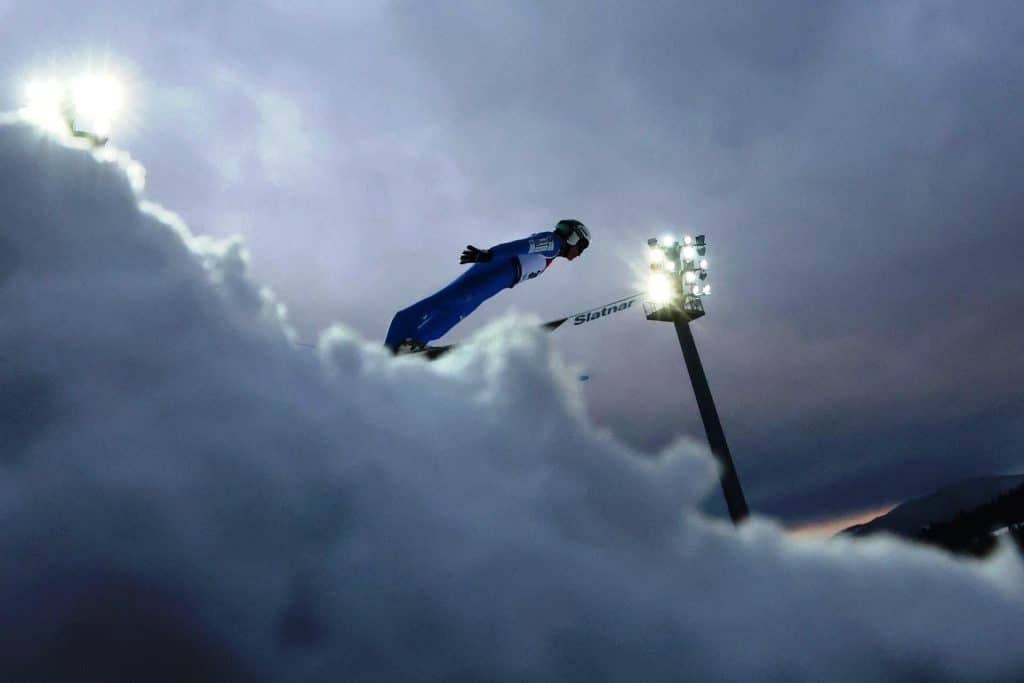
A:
(832, 525)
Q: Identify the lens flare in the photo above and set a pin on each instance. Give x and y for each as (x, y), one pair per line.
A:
(46, 94)
(97, 99)
(659, 289)
(86, 107)
(45, 101)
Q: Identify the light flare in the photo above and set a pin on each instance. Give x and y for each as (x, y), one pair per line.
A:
(88, 105)
(97, 100)
(45, 103)
(659, 289)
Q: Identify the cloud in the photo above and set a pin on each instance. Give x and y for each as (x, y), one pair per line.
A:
(852, 164)
(186, 495)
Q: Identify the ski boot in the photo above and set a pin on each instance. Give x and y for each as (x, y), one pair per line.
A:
(407, 346)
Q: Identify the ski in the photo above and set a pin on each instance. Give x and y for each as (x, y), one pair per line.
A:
(435, 352)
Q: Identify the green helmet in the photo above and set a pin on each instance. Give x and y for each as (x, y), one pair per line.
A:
(573, 233)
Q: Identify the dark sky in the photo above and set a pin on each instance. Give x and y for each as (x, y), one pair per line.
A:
(854, 165)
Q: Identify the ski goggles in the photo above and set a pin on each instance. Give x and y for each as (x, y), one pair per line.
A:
(575, 239)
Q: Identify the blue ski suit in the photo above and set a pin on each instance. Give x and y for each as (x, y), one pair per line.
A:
(510, 264)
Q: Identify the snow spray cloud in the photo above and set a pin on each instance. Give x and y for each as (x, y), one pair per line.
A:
(184, 495)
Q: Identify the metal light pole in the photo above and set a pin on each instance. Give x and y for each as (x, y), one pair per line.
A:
(676, 287)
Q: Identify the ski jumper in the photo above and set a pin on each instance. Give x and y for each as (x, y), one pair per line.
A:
(510, 264)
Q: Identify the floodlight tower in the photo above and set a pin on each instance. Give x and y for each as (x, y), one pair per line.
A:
(678, 281)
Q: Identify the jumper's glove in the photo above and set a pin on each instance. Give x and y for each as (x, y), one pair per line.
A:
(473, 255)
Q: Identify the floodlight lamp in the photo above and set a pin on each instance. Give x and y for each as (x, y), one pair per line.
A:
(687, 239)
(668, 240)
(690, 276)
(707, 290)
(689, 253)
(703, 264)
(656, 256)
(659, 289)
(97, 99)
(696, 290)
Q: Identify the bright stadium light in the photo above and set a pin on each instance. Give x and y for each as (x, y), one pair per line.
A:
(659, 289)
(96, 101)
(85, 108)
(680, 272)
(45, 101)
(707, 290)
